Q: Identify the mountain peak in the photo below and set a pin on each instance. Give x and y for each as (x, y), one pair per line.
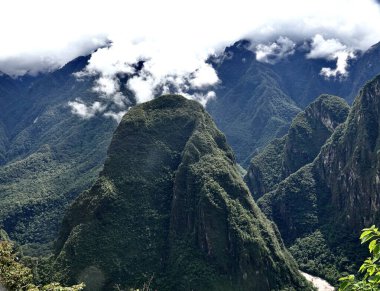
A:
(170, 203)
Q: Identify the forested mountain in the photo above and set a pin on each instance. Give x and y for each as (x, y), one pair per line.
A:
(170, 207)
(308, 132)
(49, 155)
(328, 201)
(250, 108)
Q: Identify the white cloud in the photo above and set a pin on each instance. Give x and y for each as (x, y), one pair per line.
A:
(342, 58)
(204, 76)
(272, 53)
(106, 85)
(143, 87)
(79, 108)
(331, 49)
(324, 48)
(41, 34)
(204, 98)
(117, 116)
(166, 68)
(174, 38)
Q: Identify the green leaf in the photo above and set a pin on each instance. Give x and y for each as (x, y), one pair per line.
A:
(365, 233)
(344, 285)
(372, 245)
(367, 237)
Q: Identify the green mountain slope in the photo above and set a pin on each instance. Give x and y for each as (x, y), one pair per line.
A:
(308, 132)
(250, 108)
(170, 207)
(50, 155)
(327, 202)
(256, 101)
(3, 143)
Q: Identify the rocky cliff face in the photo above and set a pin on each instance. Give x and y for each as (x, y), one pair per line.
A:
(329, 200)
(308, 132)
(171, 207)
(349, 163)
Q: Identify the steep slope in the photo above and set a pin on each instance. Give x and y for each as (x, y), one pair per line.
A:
(301, 78)
(256, 101)
(365, 67)
(250, 107)
(170, 207)
(308, 132)
(3, 143)
(327, 202)
(51, 155)
(9, 89)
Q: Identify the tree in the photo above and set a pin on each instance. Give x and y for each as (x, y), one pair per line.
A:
(370, 269)
(15, 276)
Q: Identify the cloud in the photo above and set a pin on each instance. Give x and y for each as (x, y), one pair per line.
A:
(276, 51)
(204, 98)
(41, 34)
(325, 48)
(331, 49)
(204, 76)
(166, 69)
(23, 59)
(117, 116)
(79, 108)
(174, 39)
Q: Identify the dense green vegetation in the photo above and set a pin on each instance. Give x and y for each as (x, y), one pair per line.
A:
(316, 256)
(47, 154)
(328, 201)
(251, 109)
(171, 206)
(370, 269)
(14, 275)
(308, 132)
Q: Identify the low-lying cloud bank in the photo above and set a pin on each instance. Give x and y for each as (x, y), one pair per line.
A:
(174, 40)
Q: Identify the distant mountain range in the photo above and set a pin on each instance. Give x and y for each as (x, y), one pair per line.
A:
(256, 101)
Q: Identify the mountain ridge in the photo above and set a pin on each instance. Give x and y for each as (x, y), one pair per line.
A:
(329, 201)
(308, 131)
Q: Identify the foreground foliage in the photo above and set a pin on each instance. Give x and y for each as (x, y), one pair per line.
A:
(15, 276)
(370, 269)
